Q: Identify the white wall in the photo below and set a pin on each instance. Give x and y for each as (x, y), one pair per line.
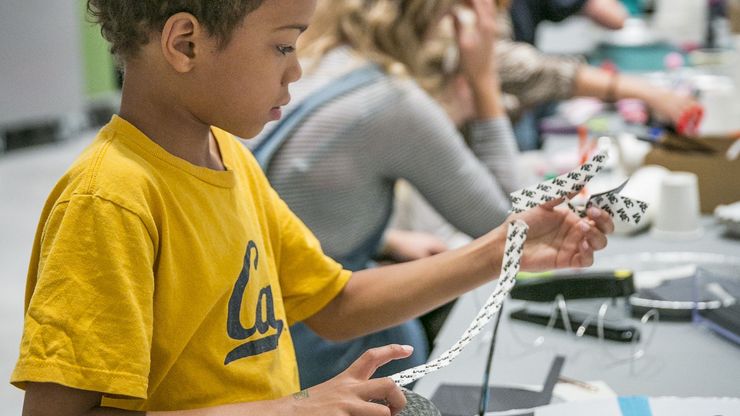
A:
(41, 74)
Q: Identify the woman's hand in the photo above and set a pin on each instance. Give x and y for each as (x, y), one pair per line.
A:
(670, 105)
(401, 245)
(476, 42)
(558, 238)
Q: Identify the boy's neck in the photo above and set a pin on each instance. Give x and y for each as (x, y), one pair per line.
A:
(169, 125)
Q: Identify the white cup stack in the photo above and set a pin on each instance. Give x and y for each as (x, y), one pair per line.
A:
(678, 213)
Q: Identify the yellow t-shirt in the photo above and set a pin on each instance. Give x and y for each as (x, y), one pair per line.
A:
(167, 285)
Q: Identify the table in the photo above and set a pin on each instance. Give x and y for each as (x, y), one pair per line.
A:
(684, 360)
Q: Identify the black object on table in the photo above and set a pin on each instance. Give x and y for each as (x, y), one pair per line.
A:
(462, 400)
(725, 321)
(575, 285)
(613, 331)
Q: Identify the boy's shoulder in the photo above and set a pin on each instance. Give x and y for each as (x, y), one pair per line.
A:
(112, 167)
(126, 168)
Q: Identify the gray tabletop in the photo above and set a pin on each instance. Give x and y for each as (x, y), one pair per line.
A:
(683, 359)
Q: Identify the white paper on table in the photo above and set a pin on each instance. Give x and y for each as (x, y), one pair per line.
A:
(660, 406)
(601, 407)
(695, 406)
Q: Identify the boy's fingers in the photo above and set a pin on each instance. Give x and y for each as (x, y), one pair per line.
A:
(373, 358)
(371, 409)
(571, 244)
(596, 238)
(603, 221)
(583, 259)
(383, 390)
(551, 204)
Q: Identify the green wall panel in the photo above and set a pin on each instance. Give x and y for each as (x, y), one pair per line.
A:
(98, 62)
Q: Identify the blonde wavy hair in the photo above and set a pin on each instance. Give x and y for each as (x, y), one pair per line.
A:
(399, 35)
(391, 33)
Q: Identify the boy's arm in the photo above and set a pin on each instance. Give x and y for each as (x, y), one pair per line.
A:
(46, 399)
(385, 296)
(49, 399)
(351, 393)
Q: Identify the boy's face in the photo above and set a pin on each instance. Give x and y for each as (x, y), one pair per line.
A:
(241, 87)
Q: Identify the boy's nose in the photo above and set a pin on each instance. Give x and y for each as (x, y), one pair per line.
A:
(294, 73)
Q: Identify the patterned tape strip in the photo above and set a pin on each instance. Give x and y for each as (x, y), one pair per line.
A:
(565, 186)
(622, 208)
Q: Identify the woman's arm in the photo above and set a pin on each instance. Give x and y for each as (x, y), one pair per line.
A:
(401, 245)
(416, 141)
(535, 78)
(489, 131)
(610, 14)
(532, 76)
(595, 82)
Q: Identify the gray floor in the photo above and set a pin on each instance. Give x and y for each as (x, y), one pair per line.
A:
(26, 177)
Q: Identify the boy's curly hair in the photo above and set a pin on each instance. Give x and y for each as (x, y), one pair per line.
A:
(127, 24)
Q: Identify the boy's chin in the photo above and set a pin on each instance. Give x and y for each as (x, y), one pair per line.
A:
(247, 131)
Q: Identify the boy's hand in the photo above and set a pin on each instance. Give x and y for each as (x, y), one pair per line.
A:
(352, 393)
(558, 238)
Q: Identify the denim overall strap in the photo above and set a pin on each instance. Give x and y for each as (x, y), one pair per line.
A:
(361, 257)
(319, 359)
(264, 152)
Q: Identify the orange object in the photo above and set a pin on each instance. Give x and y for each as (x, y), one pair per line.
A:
(584, 149)
(690, 120)
(582, 144)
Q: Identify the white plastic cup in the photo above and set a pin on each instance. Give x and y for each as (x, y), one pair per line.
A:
(683, 22)
(644, 185)
(720, 97)
(678, 213)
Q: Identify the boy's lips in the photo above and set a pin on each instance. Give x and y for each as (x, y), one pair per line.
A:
(276, 113)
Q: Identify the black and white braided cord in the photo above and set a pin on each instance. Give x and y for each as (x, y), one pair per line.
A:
(515, 239)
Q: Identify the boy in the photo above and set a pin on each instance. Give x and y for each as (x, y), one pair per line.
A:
(166, 271)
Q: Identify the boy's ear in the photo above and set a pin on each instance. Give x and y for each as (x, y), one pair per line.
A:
(180, 36)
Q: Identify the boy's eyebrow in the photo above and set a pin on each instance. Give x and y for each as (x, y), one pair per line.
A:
(299, 27)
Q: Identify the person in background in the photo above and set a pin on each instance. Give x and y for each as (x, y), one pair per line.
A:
(531, 78)
(337, 168)
(165, 269)
(526, 15)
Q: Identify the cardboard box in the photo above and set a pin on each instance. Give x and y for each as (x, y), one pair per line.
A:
(719, 178)
(733, 11)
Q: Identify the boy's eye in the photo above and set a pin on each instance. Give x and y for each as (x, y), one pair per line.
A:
(286, 49)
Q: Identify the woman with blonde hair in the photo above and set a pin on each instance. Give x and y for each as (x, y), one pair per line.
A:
(361, 119)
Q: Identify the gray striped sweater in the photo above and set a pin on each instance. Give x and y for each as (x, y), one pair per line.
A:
(337, 171)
